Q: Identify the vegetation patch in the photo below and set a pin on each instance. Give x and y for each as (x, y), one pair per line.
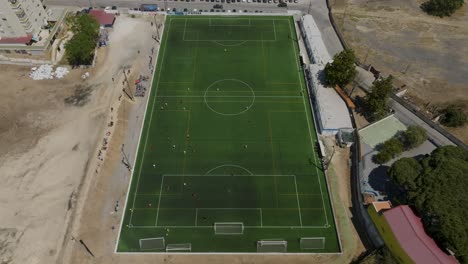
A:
(436, 187)
(80, 49)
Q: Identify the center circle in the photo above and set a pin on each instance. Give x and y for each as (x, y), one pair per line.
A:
(241, 95)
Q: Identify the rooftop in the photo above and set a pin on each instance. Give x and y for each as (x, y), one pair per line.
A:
(334, 114)
(382, 130)
(102, 17)
(383, 205)
(19, 40)
(409, 232)
(319, 50)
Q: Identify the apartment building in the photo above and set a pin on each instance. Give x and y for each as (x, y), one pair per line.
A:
(21, 20)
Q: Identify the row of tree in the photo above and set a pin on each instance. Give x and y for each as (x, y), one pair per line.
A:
(80, 49)
(413, 137)
(436, 187)
(342, 71)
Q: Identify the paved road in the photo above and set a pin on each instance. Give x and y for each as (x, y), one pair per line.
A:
(317, 8)
(408, 118)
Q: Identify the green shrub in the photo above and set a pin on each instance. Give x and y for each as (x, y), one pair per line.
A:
(453, 116)
(441, 8)
(414, 136)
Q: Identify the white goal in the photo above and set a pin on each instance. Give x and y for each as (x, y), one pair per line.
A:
(179, 247)
(272, 246)
(229, 228)
(312, 243)
(152, 243)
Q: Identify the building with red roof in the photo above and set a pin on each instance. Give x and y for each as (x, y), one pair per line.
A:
(404, 235)
(17, 40)
(104, 19)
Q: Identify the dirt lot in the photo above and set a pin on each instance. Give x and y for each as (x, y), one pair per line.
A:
(49, 133)
(427, 54)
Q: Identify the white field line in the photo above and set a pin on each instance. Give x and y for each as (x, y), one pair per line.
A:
(159, 201)
(298, 204)
(147, 130)
(136, 154)
(261, 217)
(308, 124)
(250, 227)
(185, 28)
(274, 29)
(230, 96)
(225, 175)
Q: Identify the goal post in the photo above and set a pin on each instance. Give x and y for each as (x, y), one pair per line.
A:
(272, 246)
(312, 243)
(229, 228)
(179, 247)
(152, 243)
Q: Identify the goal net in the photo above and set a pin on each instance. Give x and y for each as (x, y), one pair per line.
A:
(179, 247)
(312, 243)
(233, 228)
(272, 246)
(152, 243)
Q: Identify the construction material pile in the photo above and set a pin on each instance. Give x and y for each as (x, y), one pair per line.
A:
(46, 72)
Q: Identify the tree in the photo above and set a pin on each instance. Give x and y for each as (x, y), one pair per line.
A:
(382, 157)
(390, 149)
(453, 116)
(405, 172)
(342, 70)
(441, 8)
(80, 49)
(377, 100)
(438, 193)
(414, 136)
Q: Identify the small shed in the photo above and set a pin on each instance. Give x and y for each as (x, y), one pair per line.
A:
(104, 19)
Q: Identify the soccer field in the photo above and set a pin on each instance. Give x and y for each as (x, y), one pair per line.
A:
(227, 159)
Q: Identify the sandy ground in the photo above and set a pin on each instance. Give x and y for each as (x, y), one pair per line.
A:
(427, 54)
(49, 133)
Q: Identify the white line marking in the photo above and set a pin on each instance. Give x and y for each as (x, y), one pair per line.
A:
(261, 217)
(231, 96)
(185, 27)
(159, 201)
(253, 227)
(229, 165)
(149, 125)
(298, 204)
(308, 124)
(224, 175)
(274, 28)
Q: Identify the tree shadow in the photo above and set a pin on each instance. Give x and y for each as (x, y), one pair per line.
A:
(80, 96)
(379, 180)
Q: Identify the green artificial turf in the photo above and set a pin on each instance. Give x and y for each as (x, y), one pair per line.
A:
(228, 137)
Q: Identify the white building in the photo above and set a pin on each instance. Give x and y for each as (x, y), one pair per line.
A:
(331, 111)
(316, 50)
(20, 20)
